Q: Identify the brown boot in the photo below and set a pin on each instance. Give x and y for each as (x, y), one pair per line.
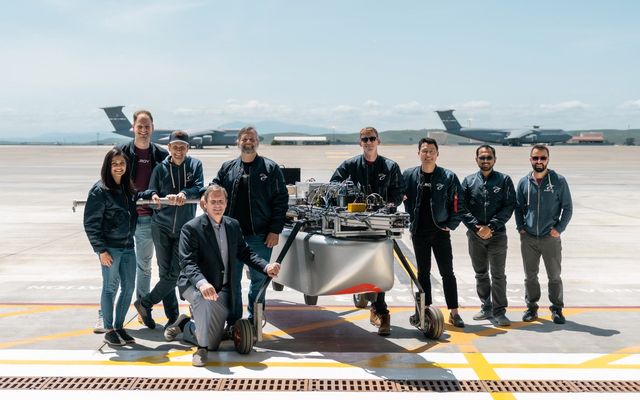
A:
(374, 318)
(385, 325)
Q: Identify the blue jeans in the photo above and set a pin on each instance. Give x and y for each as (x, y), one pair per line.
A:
(122, 269)
(144, 252)
(256, 242)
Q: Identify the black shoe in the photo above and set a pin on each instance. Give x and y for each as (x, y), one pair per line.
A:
(176, 328)
(501, 320)
(456, 320)
(145, 313)
(111, 338)
(128, 339)
(557, 317)
(529, 315)
(482, 314)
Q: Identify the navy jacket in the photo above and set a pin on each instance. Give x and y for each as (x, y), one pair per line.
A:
(540, 208)
(200, 255)
(158, 154)
(447, 206)
(489, 202)
(109, 218)
(389, 184)
(168, 178)
(268, 194)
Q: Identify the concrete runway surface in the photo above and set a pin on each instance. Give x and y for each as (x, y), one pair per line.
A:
(50, 287)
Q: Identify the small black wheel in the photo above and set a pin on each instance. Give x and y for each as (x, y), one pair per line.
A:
(360, 300)
(276, 286)
(310, 300)
(434, 324)
(243, 336)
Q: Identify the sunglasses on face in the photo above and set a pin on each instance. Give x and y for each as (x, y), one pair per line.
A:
(485, 158)
(541, 158)
(368, 139)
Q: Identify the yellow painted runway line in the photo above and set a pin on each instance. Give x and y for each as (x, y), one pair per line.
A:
(54, 336)
(30, 310)
(476, 361)
(144, 361)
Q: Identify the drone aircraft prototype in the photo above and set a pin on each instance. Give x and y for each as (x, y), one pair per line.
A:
(199, 139)
(508, 137)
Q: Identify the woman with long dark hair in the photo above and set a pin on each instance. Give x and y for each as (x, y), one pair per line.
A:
(109, 222)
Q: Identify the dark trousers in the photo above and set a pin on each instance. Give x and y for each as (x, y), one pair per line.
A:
(488, 258)
(440, 242)
(550, 249)
(166, 245)
(380, 305)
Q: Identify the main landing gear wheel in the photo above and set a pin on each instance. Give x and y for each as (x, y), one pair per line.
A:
(434, 323)
(243, 336)
(310, 300)
(276, 286)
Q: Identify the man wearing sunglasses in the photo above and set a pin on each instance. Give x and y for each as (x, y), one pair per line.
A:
(374, 173)
(489, 197)
(543, 211)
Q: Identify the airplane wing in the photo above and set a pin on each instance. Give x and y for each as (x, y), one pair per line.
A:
(520, 133)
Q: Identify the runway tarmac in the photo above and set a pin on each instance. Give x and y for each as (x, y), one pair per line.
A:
(50, 286)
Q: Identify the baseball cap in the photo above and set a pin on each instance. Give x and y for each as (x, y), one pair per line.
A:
(179, 136)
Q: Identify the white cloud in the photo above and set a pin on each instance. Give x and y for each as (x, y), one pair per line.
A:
(630, 105)
(474, 105)
(565, 106)
(410, 108)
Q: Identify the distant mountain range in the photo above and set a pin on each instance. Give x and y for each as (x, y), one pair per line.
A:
(269, 129)
(266, 127)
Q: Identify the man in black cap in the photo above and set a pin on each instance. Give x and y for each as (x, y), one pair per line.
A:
(178, 178)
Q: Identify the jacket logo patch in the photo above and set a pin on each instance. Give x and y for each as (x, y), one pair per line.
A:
(381, 177)
(548, 188)
(263, 177)
(439, 186)
(496, 189)
(189, 176)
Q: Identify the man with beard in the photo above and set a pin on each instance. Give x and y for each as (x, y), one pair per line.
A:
(543, 211)
(258, 199)
(489, 198)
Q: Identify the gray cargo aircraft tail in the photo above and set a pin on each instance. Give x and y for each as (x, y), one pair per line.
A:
(511, 137)
(199, 139)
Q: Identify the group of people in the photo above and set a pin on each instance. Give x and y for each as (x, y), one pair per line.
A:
(244, 213)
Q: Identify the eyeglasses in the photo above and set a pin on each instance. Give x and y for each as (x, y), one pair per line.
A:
(485, 158)
(542, 158)
(368, 139)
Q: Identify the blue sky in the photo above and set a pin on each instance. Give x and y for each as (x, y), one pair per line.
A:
(342, 64)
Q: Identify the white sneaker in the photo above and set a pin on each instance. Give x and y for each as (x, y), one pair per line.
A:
(99, 328)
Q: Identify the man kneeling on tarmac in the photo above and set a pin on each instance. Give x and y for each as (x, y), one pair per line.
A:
(209, 247)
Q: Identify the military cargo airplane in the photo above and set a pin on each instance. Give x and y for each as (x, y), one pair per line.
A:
(199, 139)
(510, 137)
